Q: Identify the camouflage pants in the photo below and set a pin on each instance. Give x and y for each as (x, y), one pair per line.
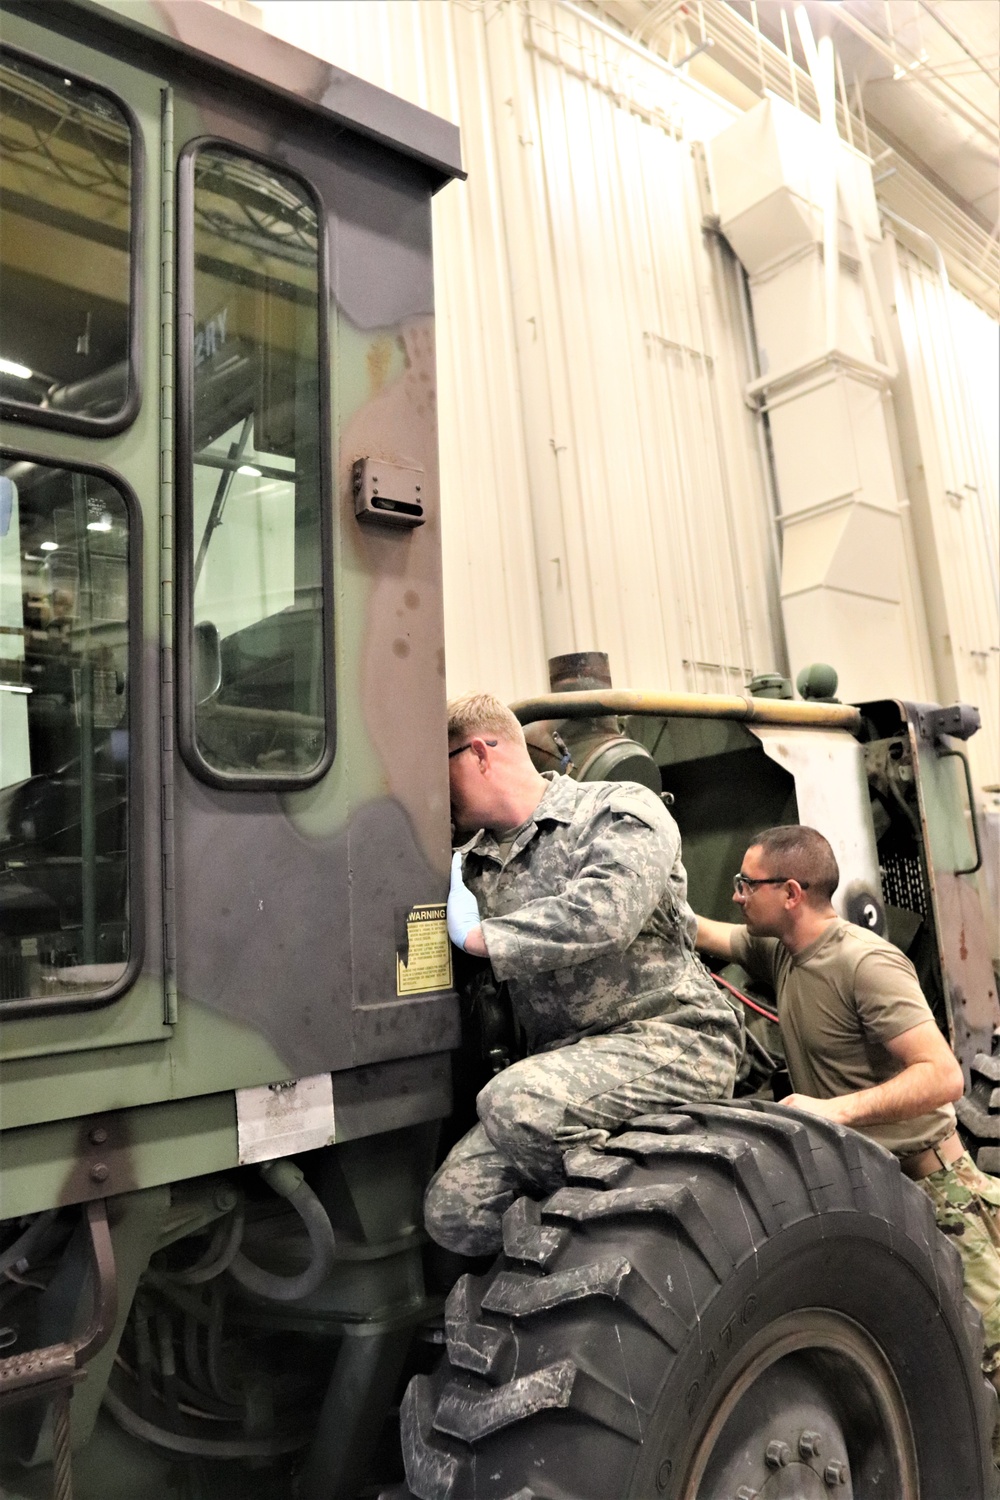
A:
(536, 1110)
(967, 1209)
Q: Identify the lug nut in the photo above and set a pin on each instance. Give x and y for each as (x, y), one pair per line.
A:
(99, 1172)
(835, 1472)
(746, 1493)
(98, 1135)
(777, 1455)
(810, 1445)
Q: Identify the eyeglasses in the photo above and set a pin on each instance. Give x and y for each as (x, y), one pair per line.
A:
(743, 883)
(468, 746)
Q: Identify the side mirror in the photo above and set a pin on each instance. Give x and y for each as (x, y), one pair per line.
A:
(207, 662)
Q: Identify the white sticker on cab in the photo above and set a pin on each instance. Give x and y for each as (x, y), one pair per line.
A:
(279, 1119)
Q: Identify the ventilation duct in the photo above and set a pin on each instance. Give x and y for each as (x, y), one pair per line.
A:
(798, 207)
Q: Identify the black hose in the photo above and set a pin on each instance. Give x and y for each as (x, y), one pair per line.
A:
(192, 1358)
(284, 1177)
(143, 1358)
(193, 1447)
(168, 1365)
(762, 1053)
(218, 1258)
(213, 1361)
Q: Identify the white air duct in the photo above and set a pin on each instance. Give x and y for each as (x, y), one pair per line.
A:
(798, 207)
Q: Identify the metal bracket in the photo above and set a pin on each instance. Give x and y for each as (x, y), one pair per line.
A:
(960, 720)
(37, 1372)
(390, 493)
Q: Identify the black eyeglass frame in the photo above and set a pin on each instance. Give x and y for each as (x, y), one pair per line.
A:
(751, 882)
(468, 746)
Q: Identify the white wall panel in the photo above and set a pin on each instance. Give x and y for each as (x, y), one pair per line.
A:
(947, 402)
(601, 485)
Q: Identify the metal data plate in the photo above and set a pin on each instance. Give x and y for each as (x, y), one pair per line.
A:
(279, 1119)
(390, 493)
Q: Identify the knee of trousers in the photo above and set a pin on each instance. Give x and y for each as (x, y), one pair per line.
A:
(456, 1220)
(509, 1113)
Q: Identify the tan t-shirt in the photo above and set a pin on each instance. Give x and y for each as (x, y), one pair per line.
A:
(840, 1001)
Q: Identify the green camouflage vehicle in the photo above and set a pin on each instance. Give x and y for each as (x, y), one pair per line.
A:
(230, 1021)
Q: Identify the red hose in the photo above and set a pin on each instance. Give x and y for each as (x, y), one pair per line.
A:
(768, 1015)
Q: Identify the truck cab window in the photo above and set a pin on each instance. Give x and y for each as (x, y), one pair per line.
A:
(250, 496)
(66, 245)
(64, 734)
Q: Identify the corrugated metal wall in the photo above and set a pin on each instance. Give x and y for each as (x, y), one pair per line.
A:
(601, 481)
(947, 402)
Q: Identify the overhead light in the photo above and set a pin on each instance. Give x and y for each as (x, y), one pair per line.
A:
(49, 546)
(104, 524)
(14, 687)
(11, 367)
(249, 469)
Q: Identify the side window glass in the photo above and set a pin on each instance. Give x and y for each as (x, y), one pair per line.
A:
(66, 250)
(256, 683)
(64, 734)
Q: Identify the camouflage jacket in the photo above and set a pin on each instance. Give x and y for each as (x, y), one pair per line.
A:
(587, 917)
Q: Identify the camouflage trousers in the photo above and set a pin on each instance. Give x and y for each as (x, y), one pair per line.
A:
(967, 1209)
(533, 1112)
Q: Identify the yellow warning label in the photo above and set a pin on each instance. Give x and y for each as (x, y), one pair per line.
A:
(426, 964)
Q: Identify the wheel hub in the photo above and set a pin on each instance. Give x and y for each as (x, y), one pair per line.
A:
(811, 1411)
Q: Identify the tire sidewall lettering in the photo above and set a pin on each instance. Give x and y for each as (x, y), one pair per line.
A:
(724, 1344)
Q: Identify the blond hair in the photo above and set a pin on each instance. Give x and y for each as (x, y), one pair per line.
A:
(482, 714)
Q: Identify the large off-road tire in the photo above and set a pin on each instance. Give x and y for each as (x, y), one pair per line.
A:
(732, 1302)
(979, 1113)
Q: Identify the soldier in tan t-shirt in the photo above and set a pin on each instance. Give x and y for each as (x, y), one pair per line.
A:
(860, 1042)
(844, 999)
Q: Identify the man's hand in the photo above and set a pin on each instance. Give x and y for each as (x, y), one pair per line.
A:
(829, 1109)
(929, 1076)
(464, 927)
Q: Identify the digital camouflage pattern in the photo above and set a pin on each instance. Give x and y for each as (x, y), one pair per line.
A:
(967, 1209)
(586, 917)
(539, 1108)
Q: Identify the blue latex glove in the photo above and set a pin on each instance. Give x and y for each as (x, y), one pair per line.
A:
(463, 908)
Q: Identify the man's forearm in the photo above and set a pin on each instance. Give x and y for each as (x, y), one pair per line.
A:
(915, 1091)
(715, 938)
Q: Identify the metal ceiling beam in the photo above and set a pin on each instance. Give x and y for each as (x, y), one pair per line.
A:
(959, 41)
(921, 72)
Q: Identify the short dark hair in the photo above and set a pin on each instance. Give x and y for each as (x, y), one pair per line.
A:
(803, 854)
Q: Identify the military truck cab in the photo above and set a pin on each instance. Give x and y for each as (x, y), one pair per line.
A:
(223, 795)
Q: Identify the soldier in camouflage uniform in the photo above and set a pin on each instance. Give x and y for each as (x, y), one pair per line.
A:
(576, 894)
(967, 1209)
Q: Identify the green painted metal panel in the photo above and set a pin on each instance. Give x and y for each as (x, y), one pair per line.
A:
(59, 1162)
